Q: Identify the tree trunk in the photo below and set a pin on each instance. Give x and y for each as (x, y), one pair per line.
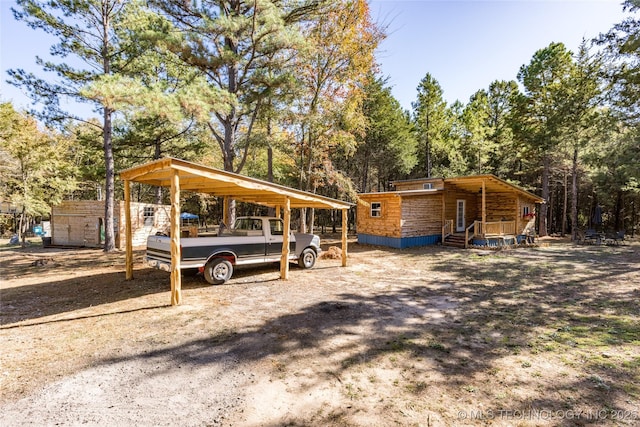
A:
(574, 196)
(269, 150)
(230, 121)
(551, 208)
(109, 235)
(21, 232)
(312, 214)
(564, 205)
(303, 220)
(107, 142)
(333, 220)
(619, 215)
(633, 218)
(427, 151)
(546, 165)
(365, 172)
(272, 210)
(156, 156)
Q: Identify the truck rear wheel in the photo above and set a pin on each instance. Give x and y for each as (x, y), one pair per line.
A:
(307, 258)
(217, 271)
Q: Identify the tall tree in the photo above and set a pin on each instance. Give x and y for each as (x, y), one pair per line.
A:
(387, 149)
(432, 121)
(89, 42)
(243, 50)
(623, 46)
(331, 74)
(475, 143)
(503, 159)
(37, 165)
(543, 110)
(584, 118)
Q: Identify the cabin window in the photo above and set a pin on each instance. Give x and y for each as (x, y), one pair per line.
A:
(149, 213)
(376, 209)
(427, 186)
(525, 210)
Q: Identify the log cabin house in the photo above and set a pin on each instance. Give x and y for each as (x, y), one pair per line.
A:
(81, 223)
(471, 210)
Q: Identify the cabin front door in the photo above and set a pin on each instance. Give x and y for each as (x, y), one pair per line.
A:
(460, 220)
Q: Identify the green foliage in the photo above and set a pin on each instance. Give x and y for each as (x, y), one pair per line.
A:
(331, 74)
(544, 104)
(622, 44)
(432, 120)
(241, 51)
(287, 88)
(38, 168)
(489, 133)
(387, 150)
(88, 40)
(91, 43)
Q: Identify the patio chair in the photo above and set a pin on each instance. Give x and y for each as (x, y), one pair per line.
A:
(618, 237)
(591, 237)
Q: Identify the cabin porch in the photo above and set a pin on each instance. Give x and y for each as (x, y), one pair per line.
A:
(487, 233)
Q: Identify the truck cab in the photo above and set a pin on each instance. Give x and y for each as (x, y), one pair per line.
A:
(251, 240)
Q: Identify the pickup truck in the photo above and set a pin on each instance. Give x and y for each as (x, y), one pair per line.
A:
(252, 240)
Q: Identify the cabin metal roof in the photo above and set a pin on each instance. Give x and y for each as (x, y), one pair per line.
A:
(473, 183)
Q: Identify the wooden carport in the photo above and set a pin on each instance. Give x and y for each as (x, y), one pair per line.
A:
(182, 175)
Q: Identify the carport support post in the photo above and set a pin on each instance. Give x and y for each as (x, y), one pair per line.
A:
(484, 208)
(127, 227)
(284, 261)
(225, 212)
(345, 228)
(176, 284)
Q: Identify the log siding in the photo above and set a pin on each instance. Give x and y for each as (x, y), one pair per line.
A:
(414, 215)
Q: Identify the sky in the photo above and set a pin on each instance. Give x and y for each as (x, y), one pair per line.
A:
(463, 44)
(466, 45)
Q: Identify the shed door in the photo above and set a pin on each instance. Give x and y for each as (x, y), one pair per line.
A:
(460, 220)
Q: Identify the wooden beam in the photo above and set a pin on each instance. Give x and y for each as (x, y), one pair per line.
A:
(225, 211)
(278, 212)
(137, 173)
(284, 261)
(484, 206)
(345, 228)
(444, 217)
(518, 214)
(176, 279)
(128, 233)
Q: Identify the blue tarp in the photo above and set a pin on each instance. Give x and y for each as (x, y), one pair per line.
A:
(187, 215)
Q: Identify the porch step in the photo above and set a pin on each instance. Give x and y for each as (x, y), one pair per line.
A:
(454, 240)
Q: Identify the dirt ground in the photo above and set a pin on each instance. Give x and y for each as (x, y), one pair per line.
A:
(430, 336)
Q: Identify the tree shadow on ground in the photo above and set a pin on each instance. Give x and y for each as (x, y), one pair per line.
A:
(53, 297)
(491, 309)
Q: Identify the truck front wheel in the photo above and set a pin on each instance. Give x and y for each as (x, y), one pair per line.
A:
(307, 258)
(217, 271)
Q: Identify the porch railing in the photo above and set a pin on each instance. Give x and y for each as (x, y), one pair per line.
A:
(468, 237)
(447, 228)
(482, 229)
(499, 228)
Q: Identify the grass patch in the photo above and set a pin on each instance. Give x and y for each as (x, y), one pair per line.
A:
(592, 332)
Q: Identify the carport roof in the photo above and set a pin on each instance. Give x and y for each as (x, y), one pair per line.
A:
(205, 179)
